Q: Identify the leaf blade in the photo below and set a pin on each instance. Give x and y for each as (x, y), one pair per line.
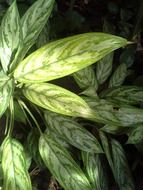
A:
(61, 165)
(14, 166)
(66, 56)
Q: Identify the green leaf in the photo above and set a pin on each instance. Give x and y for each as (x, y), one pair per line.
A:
(118, 76)
(104, 68)
(6, 89)
(125, 94)
(107, 150)
(72, 132)
(136, 135)
(10, 36)
(85, 78)
(122, 173)
(32, 146)
(113, 129)
(56, 99)
(66, 56)
(34, 20)
(95, 171)
(18, 113)
(61, 165)
(114, 114)
(15, 173)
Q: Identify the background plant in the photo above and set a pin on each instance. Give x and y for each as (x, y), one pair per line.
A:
(73, 154)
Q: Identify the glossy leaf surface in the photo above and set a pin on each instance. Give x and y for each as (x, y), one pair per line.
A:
(125, 94)
(56, 99)
(34, 20)
(95, 171)
(118, 76)
(61, 165)
(121, 168)
(86, 78)
(15, 173)
(72, 132)
(66, 56)
(6, 89)
(104, 68)
(10, 36)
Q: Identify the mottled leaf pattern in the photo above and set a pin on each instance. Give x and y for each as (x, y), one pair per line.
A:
(10, 36)
(34, 20)
(104, 68)
(113, 129)
(136, 135)
(72, 132)
(61, 165)
(95, 171)
(32, 146)
(85, 78)
(122, 173)
(125, 94)
(6, 89)
(66, 56)
(56, 99)
(118, 76)
(15, 173)
(114, 114)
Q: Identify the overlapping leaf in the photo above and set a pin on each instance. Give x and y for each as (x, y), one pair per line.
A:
(6, 89)
(57, 99)
(125, 94)
(95, 171)
(86, 78)
(104, 68)
(34, 20)
(72, 132)
(15, 175)
(136, 135)
(61, 165)
(66, 56)
(118, 76)
(10, 36)
(114, 114)
(122, 172)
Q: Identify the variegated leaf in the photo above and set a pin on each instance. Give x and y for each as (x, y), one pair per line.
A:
(136, 135)
(125, 94)
(95, 171)
(32, 146)
(34, 20)
(104, 68)
(61, 165)
(85, 78)
(10, 36)
(57, 99)
(15, 173)
(113, 129)
(107, 150)
(114, 114)
(118, 76)
(72, 132)
(6, 89)
(122, 172)
(66, 56)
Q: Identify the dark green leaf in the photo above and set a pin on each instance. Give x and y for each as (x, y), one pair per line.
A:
(122, 173)
(136, 135)
(118, 76)
(95, 171)
(104, 68)
(72, 132)
(61, 165)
